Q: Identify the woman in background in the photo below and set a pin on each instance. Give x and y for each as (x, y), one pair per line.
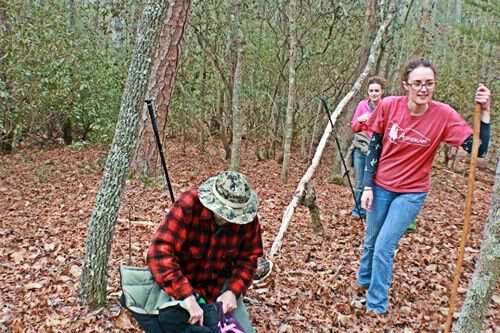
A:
(361, 138)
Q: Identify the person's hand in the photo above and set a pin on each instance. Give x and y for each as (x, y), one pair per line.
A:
(483, 98)
(194, 309)
(367, 199)
(228, 300)
(363, 117)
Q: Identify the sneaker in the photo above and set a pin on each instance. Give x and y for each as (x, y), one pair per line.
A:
(358, 302)
(359, 296)
(264, 269)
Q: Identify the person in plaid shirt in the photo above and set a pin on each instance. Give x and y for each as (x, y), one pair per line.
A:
(207, 246)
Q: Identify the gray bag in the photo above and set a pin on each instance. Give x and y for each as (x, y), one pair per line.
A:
(140, 293)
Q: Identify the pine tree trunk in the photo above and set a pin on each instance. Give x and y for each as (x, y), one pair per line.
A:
(292, 9)
(161, 86)
(486, 272)
(105, 212)
(235, 103)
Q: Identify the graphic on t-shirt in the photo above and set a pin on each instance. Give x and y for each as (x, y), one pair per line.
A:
(410, 136)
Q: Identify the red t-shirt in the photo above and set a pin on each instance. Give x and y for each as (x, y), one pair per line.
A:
(410, 143)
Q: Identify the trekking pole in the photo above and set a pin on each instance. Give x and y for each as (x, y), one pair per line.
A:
(152, 115)
(467, 213)
(356, 202)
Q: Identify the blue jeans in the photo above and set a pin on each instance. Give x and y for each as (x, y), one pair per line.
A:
(390, 216)
(358, 160)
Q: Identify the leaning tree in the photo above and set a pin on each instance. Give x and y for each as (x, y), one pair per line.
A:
(101, 225)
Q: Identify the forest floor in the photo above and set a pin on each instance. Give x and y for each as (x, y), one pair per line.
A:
(46, 199)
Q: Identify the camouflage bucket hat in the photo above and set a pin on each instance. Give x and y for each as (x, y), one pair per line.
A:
(229, 196)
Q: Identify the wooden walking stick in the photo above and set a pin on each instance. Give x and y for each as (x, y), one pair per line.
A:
(467, 213)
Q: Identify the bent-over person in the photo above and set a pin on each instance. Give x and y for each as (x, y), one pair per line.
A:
(207, 247)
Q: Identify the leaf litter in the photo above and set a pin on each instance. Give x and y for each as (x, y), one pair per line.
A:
(47, 196)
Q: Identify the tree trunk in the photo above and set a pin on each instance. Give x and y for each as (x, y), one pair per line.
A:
(319, 112)
(105, 212)
(65, 121)
(306, 178)
(309, 201)
(237, 44)
(161, 86)
(486, 272)
(344, 135)
(292, 12)
(67, 129)
(7, 133)
(118, 25)
(368, 33)
(425, 34)
(343, 130)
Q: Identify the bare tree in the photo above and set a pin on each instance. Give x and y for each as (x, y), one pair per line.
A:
(424, 34)
(292, 58)
(118, 24)
(237, 44)
(105, 212)
(369, 32)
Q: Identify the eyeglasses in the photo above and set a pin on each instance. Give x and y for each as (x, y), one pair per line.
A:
(417, 85)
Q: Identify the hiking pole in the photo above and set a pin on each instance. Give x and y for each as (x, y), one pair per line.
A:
(356, 202)
(467, 213)
(152, 115)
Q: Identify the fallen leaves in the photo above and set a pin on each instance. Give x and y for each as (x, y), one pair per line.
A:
(18, 256)
(33, 285)
(310, 290)
(123, 321)
(75, 271)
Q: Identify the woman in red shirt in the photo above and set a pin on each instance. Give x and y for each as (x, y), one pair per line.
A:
(407, 131)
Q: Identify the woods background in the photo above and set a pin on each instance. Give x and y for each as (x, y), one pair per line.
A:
(63, 65)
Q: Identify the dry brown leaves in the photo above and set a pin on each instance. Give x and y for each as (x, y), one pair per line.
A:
(46, 199)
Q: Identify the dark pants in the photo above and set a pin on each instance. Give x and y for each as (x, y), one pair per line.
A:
(174, 320)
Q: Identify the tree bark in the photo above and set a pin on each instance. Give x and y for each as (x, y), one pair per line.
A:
(105, 212)
(235, 102)
(118, 25)
(161, 86)
(486, 272)
(306, 178)
(314, 130)
(368, 33)
(309, 201)
(425, 34)
(292, 12)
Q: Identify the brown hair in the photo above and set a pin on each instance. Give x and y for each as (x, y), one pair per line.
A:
(378, 80)
(421, 62)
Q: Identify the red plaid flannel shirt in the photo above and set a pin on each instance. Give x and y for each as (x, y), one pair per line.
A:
(190, 253)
